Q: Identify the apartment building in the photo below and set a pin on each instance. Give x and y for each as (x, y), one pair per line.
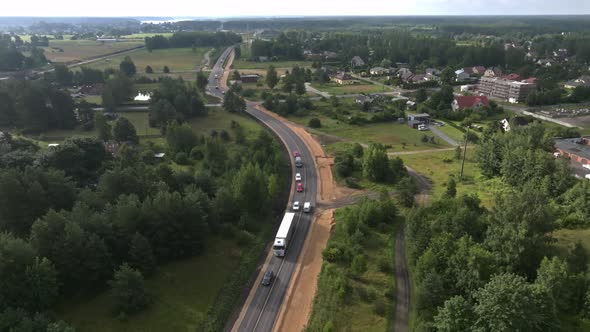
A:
(512, 91)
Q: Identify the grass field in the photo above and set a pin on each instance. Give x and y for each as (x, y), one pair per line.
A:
(76, 50)
(363, 304)
(177, 59)
(182, 290)
(218, 119)
(452, 132)
(398, 137)
(438, 166)
(244, 64)
(337, 89)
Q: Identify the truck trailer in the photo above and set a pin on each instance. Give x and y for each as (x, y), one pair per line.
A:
(284, 235)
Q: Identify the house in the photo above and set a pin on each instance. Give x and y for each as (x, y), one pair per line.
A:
(418, 78)
(342, 78)
(512, 77)
(580, 81)
(493, 72)
(545, 62)
(561, 54)
(330, 55)
(362, 99)
(91, 89)
(414, 120)
(473, 102)
(530, 80)
(405, 74)
(432, 72)
(159, 155)
(357, 61)
(479, 70)
(577, 149)
(462, 75)
(378, 71)
(247, 78)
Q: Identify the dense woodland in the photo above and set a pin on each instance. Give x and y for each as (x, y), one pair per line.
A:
(478, 269)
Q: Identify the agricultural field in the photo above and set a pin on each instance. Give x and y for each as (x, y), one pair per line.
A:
(279, 65)
(78, 50)
(177, 59)
(337, 89)
(182, 293)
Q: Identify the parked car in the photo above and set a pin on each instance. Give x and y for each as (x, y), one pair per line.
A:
(267, 278)
(296, 206)
(297, 176)
(422, 127)
(299, 187)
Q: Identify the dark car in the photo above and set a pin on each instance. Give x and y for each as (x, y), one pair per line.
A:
(267, 278)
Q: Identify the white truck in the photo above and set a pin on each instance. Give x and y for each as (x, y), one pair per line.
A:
(283, 235)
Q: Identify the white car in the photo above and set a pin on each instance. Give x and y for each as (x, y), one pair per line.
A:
(297, 176)
(422, 128)
(296, 206)
(307, 207)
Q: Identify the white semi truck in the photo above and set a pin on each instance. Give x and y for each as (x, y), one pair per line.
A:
(283, 235)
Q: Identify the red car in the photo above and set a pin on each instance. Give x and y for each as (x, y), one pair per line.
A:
(299, 187)
(296, 154)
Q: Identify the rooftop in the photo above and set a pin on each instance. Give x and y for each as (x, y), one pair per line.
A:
(569, 145)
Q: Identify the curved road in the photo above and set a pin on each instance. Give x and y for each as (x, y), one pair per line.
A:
(264, 303)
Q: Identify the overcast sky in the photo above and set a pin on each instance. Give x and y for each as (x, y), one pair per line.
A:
(208, 8)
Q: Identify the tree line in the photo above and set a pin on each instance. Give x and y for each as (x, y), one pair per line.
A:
(192, 39)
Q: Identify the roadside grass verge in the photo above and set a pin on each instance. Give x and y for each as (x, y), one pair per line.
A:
(347, 300)
(245, 64)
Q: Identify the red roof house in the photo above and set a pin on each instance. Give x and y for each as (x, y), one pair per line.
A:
(473, 102)
(530, 80)
(512, 77)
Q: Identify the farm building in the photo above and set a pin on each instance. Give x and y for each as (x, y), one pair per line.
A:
(414, 120)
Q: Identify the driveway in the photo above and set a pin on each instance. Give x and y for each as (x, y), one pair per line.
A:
(443, 136)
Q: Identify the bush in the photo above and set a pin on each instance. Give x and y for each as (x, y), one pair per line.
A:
(385, 264)
(197, 154)
(352, 183)
(315, 123)
(329, 326)
(128, 290)
(181, 158)
(224, 135)
(358, 265)
(367, 295)
(244, 237)
(248, 93)
(380, 308)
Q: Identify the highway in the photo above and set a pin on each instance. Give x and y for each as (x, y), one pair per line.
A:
(264, 302)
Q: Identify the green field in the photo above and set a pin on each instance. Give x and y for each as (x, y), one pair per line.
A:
(452, 132)
(244, 64)
(182, 290)
(337, 89)
(437, 166)
(356, 303)
(218, 119)
(177, 59)
(77, 50)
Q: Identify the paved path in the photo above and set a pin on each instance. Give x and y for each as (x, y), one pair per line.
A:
(442, 135)
(311, 89)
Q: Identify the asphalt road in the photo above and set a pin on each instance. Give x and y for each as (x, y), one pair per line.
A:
(264, 308)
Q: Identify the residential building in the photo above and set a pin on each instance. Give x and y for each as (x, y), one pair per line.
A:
(361, 99)
(462, 75)
(342, 78)
(249, 78)
(330, 55)
(419, 78)
(479, 70)
(580, 81)
(357, 61)
(378, 71)
(493, 72)
(545, 62)
(473, 102)
(512, 77)
(414, 120)
(432, 72)
(405, 74)
(577, 149)
(504, 89)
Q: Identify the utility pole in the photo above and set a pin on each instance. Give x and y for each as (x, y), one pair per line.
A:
(464, 152)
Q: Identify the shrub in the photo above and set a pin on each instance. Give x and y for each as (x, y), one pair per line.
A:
(385, 264)
(224, 135)
(352, 183)
(358, 265)
(380, 308)
(315, 123)
(329, 326)
(181, 158)
(197, 154)
(248, 93)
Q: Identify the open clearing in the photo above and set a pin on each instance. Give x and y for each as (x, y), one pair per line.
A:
(182, 290)
(244, 64)
(337, 89)
(177, 59)
(77, 50)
